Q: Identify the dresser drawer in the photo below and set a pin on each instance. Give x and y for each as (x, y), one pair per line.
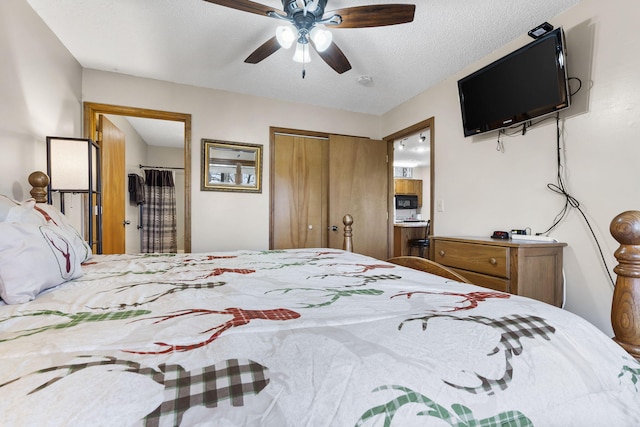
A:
(491, 260)
(484, 280)
(531, 269)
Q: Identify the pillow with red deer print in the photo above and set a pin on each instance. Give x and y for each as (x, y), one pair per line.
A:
(30, 212)
(34, 258)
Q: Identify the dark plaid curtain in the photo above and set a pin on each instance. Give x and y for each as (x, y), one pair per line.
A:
(159, 232)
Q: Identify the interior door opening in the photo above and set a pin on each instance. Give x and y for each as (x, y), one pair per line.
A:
(92, 111)
(428, 126)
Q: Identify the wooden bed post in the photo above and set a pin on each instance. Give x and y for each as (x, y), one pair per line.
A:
(625, 308)
(347, 245)
(39, 181)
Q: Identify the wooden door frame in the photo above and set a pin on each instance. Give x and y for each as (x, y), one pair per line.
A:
(428, 123)
(91, 111)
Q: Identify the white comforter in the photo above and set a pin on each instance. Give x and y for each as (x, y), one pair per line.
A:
(313, 337)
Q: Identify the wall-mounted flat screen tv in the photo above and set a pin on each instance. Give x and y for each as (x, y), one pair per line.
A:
(523, 85)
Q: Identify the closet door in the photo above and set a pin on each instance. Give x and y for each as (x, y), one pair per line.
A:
(358, 185)
(299, 196)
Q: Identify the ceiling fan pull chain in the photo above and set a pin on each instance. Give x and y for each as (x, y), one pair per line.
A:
(304, 71)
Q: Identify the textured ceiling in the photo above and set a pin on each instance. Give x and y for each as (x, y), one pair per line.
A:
(203, 44)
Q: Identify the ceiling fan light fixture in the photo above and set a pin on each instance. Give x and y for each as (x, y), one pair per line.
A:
(302, 53)
(303, 16)
(286, 35)
(322, 38)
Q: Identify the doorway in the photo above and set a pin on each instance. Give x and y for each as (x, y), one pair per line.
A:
(92, 111)
(428, 127)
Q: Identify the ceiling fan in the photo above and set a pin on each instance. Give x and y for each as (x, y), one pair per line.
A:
(307, 23)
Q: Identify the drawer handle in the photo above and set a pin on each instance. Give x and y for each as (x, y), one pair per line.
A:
(493, 261)
(441, 253)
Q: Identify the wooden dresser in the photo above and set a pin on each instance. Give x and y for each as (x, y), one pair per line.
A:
(529, 268)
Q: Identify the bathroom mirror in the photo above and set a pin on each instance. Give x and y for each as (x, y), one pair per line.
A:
(231, 166)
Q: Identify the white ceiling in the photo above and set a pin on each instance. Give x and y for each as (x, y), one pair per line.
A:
(161, 133)
(203, 44)
(412, 151)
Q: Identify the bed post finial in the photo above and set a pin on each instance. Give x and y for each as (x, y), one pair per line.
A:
(347, 220)
(625, 308)
(39, 181)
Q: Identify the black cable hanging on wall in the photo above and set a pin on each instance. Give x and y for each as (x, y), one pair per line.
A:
(570, 202)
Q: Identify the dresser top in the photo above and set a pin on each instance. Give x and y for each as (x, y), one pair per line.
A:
(498, 242)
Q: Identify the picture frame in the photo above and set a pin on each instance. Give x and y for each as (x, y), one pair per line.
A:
(231, 166)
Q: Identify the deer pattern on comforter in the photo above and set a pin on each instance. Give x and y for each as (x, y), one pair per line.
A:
(307, 337)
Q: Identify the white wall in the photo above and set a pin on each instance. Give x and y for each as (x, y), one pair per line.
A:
(223, 220)
(487, 190)
(40, 95)
(424, 173)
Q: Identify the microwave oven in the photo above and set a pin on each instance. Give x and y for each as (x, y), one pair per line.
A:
(406, 201)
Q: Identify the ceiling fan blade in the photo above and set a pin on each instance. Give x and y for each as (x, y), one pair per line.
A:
(245, 6)
(267, 48)
(334, 57)
(377, 15)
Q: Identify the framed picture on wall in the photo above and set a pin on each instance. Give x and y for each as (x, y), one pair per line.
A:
(231, 166)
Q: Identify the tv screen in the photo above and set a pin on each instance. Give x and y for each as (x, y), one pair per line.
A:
(528, 83)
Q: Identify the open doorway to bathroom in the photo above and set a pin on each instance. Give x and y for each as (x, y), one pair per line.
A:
(92, 112)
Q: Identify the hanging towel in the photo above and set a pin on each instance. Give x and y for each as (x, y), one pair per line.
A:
(136, 189)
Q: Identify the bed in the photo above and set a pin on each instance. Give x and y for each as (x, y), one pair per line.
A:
(300, 337)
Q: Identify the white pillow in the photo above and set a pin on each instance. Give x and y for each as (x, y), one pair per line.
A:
(34, 258)
(5, 206)
(30, 212)
(82, 247)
